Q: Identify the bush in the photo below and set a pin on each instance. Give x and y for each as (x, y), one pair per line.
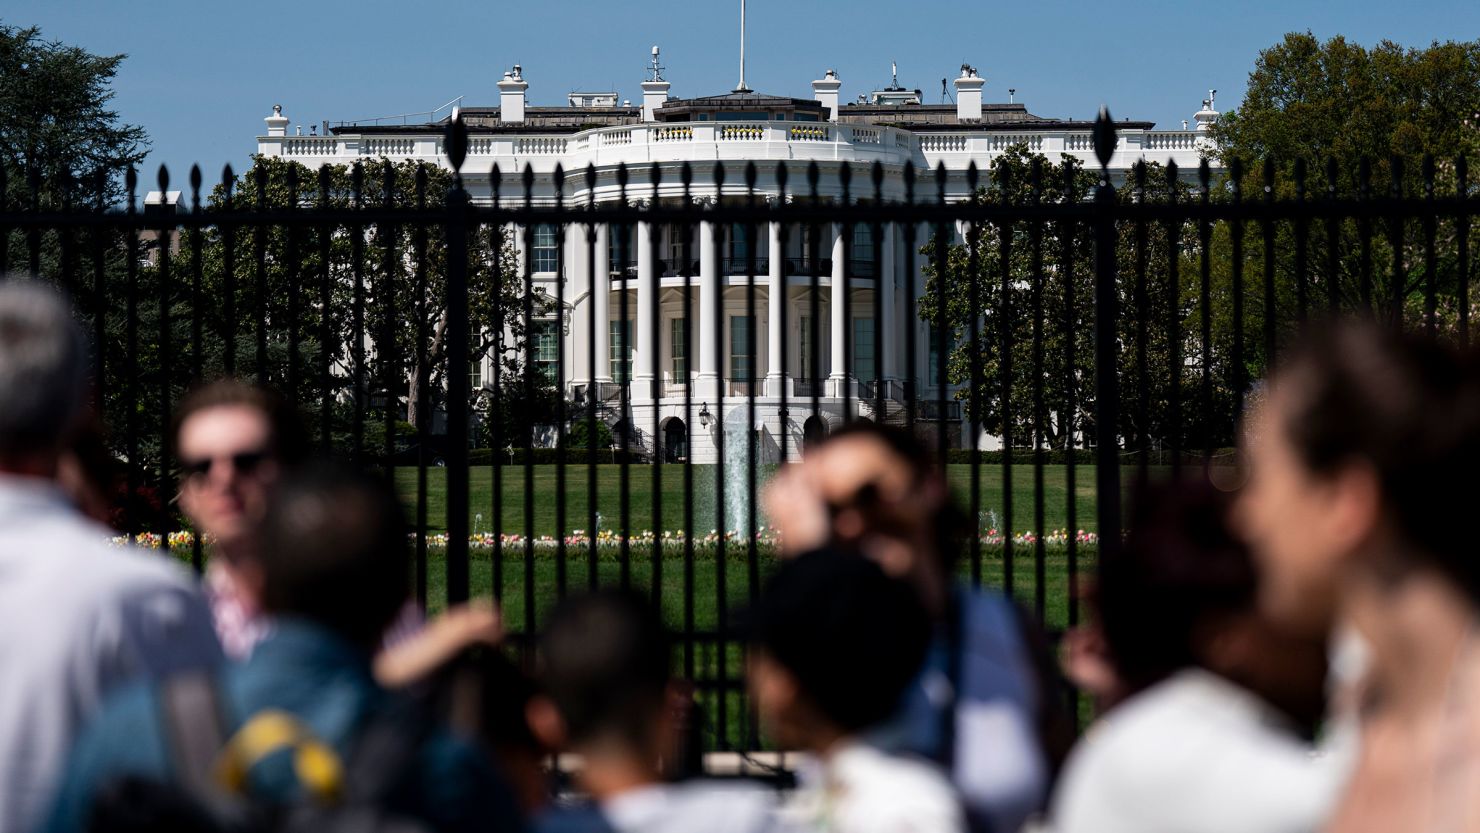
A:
(547, 456)
(1082, 456)
(576, 436)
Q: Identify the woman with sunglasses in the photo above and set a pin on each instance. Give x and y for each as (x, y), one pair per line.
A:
(233, 441)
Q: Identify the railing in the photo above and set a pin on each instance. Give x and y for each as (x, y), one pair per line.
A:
(1169, 140)
(616, 138)
(948, 143)
(680, 133)
(809, 133)
(741, 132)
(387, 147)
(1000, 141)
(1107, 330)
(310, 146)
(541, 145)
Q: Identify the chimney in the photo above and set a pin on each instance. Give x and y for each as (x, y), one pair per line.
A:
(969, 95)
(654, 90)
(826, 91)
(277, 123)
(1207, 116)
(511, 95)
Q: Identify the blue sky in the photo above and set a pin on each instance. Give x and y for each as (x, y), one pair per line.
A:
(202, 74)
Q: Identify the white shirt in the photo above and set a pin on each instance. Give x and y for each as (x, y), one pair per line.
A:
(859, 789)
(1194, 754)
(692, 806)
(78, 616)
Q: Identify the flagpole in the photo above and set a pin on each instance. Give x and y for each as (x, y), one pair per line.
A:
(742, 86)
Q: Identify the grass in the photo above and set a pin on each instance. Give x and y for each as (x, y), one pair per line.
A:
(509, 515)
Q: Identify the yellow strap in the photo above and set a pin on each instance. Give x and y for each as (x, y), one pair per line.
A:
(317, 766)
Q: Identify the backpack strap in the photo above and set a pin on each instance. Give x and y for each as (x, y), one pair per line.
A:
(194, 729)
(384, 751)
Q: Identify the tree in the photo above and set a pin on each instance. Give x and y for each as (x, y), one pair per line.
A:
(58, 134)
(362, 306)
(1362, 121)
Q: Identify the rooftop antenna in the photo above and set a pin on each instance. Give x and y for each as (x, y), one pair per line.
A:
(893, 75)
(656, 69)
(742, 88)
(944, 95)
(1011, 91)
(1212, 99)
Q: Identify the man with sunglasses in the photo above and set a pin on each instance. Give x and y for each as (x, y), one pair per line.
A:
(233, 441)
(78, 617)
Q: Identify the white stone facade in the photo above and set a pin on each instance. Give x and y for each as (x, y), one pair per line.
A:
(735, 130)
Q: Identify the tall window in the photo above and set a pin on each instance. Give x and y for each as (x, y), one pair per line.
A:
(738, 249)
(863, 349)
(623, 249)
(933, 373)
(546, 255)
(679, 330)
(861, 256)
(475, 374)
(547, 350)
(621, 362)
(742, 347)
(808, 345)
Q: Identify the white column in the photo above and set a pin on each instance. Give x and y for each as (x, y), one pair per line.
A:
(775, 326)
(601, 300)
(838, 378)
(711, 308)
(893, 346)
(647, 295)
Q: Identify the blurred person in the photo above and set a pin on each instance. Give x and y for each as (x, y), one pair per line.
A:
(1356, 505)
(302, 722)
(986, 704)
(233, 441)
(78, 616)
(485, 697)
(1208, 734)
(834, 645)
(605, 693)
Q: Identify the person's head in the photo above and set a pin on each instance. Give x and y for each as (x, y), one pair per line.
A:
(232, 441)
(1358, 459)
(834, 643)
(886, 498)
(334, 552)
(486, 697)
(604, 679)
(1182, 591)
(43, 377)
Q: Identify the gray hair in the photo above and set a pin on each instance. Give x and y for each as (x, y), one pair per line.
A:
(43, 368)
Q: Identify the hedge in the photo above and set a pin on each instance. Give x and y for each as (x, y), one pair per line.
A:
(546, 456)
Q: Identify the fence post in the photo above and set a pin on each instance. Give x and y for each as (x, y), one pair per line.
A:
(1107, 381)
(457, 369)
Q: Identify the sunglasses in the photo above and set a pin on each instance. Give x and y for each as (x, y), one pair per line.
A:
(242, 462)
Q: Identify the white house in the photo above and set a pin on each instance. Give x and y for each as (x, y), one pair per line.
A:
(890, 126)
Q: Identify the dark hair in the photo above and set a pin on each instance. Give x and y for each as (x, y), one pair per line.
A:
(289, 438)
(853, 637)
(951, 524)
(1406, 404)
(483, 693)
(1180, 564)
(604, 661)
(334, 551)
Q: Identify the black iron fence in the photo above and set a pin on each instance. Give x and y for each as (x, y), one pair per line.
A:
(1010, 327)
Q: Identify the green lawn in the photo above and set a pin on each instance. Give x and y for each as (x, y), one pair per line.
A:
(509, 517)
